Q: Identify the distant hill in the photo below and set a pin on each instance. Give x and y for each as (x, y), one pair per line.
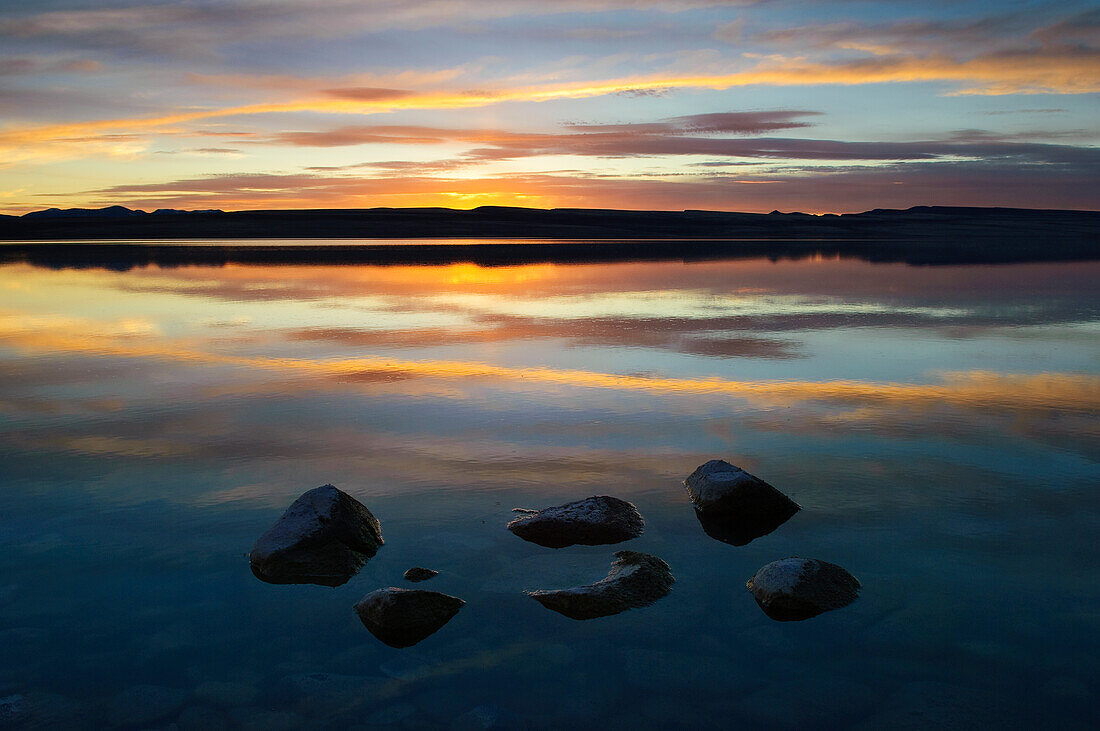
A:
(111, 212)
(117, 222)
(920, 234)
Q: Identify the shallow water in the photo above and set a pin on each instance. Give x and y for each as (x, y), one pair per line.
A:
(937, 424)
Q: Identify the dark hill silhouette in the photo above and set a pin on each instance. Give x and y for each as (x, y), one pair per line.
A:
(924, 234)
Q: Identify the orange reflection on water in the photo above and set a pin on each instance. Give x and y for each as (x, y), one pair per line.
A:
(972, 389)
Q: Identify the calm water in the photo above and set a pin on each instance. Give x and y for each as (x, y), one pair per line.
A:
(937, 424)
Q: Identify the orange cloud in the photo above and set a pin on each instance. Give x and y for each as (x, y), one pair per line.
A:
(1074, 70)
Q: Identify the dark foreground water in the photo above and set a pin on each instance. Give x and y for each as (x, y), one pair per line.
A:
(937, 424)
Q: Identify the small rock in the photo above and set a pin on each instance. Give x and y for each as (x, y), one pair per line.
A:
(799, 588)
(141, 705)
(324, 538)
(635, 580)
(736, 507)
(417, 573)
(593, 521)
(403, 617)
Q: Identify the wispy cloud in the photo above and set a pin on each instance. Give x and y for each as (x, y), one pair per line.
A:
(839, 189)
(489, 85)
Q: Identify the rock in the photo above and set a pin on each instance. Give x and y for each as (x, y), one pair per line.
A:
(594, 521)
(416, 573)
(403, 617)
(141, 705)
(736, 507)
(799, 588)
(324, 537)
(635, 580)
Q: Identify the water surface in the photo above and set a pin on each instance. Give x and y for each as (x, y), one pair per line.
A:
(937, 424)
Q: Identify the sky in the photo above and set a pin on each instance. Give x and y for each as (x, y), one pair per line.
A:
(751, 105)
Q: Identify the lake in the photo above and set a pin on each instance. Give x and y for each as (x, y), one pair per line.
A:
(937, 424)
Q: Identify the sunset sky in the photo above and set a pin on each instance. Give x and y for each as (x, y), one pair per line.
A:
(814, 105)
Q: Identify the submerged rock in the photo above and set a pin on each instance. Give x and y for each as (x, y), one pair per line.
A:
(635, 580)
(324, 537)
(593, 521)
(417, 573)
(403, 617)
(736, 507)
(799, 588)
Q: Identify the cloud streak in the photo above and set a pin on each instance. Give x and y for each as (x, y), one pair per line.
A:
(1065, 70)
(501, 89)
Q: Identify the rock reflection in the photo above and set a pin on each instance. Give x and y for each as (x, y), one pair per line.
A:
(635, 580)
(735, 507)
(594, 521)
(795, 588)
(324, 538)
(403, 617)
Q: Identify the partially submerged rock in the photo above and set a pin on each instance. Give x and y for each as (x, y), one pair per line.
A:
(635, 580)
(418, 573)
(403, 617)
(594, 521)
(324, 537)
(799, 588)
(736, 507)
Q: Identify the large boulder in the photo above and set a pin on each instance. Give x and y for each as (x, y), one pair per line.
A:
(799, 588)
(594, 521)
(635, 580)
(734, 506)
(324, 537)
(403, 617)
